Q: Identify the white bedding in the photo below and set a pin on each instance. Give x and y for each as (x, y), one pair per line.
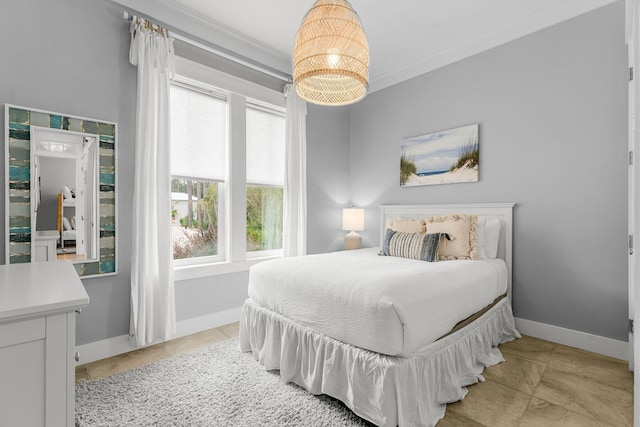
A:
(389, 305)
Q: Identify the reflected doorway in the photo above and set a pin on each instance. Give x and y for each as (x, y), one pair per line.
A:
(64, 191)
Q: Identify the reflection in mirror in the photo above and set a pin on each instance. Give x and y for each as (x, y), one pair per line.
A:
(64, 194)
(60, 190)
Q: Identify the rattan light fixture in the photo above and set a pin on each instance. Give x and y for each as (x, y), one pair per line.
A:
(331, 55)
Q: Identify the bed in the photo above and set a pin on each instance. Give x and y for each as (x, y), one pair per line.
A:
(395, 339)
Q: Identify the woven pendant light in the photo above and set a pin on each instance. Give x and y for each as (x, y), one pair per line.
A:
(331, 55)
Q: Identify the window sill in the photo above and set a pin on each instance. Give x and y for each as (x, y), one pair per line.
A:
(188, 272)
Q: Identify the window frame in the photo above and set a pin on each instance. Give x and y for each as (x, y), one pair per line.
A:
(258, 105)
(232, 207)
(221, 230)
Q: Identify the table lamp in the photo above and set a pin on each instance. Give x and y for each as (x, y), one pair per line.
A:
(352, 221)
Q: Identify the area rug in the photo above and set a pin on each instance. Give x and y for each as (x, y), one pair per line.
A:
(213, 386)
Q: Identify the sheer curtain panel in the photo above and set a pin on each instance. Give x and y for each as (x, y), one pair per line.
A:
(152, 287)
(294, 233)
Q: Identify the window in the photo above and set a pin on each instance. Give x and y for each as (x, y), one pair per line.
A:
(227, 164)
(198, 146)
(198, 200)
(265, 178)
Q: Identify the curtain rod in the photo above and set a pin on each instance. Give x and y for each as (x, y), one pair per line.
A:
(224, 54)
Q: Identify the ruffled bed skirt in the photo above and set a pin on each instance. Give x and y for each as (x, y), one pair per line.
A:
(385, 390)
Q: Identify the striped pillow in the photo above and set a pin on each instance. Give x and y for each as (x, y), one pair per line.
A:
(411, 245)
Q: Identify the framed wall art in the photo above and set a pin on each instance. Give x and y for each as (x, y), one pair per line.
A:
(446, 157)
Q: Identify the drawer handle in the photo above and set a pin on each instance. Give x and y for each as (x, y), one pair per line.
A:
(77, 356)
(79, 311)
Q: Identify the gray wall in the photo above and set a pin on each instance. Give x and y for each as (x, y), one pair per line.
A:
(55, 173)
(552, 109)
(206, 295)
(327, 176)
(72, 58)
(201, 56)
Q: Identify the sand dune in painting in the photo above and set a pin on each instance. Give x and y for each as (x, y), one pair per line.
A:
(463, 174)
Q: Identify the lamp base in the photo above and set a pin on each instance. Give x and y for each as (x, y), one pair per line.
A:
(352, 240)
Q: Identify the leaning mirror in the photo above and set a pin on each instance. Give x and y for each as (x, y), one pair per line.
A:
(60, 195)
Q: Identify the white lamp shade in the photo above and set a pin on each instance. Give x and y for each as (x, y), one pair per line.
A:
(352, 219)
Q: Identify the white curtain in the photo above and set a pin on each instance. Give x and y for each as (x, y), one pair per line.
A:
(152, 287)
(295, 176)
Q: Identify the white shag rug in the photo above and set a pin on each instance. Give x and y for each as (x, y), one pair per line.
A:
(213, 386)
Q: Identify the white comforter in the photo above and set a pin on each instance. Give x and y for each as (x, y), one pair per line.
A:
(389, 305)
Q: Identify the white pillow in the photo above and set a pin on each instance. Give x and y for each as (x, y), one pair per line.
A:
(482, 225)
(65, 223)
(73, 222)
(492, 233)
(66, 192)
(488, 237)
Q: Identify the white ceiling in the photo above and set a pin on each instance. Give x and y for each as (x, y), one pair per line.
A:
(406, 37)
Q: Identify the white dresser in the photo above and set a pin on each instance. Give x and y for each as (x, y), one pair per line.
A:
(38, 304)
(45, 245)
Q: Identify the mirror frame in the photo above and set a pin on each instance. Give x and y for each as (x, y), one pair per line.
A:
(18, 121)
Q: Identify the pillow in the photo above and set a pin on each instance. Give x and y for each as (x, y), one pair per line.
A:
(66, 192)
(408, 225)
(482, 253)
(463, 232)
(418, 246)
(492, 237)
(65, 223)
(73, 222)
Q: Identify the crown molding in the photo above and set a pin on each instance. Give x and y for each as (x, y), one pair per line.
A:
(546, 17)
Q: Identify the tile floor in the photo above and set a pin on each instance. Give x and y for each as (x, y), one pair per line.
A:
(541, 383)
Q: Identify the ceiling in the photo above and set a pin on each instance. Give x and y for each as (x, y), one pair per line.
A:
(406, 37)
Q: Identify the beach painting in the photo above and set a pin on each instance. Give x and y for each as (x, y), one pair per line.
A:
(446, 157)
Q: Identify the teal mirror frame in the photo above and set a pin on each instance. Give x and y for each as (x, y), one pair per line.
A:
(18, 122)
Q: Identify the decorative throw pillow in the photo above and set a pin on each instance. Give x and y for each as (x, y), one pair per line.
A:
(408, 225)
(463, 232)
(411, 245)
(65, 223)
(73, 222)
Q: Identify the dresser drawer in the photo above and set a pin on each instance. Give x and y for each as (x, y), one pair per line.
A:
(22, 331)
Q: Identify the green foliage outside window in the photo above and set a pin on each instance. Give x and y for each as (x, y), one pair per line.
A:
(196, 233)
(264, 218)
(199, 236)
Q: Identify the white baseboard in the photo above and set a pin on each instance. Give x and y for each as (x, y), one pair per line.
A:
(593, 343)
(213, 320)
(120, 344)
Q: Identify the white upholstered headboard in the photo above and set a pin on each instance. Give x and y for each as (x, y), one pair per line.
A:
(502, 211)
